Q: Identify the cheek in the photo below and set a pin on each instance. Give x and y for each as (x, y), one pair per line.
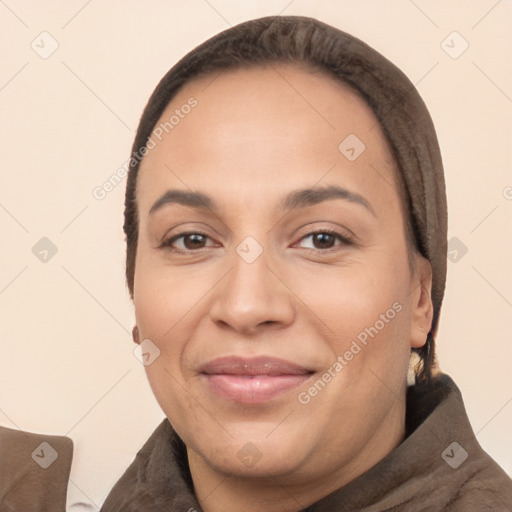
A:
(168, 303)
(363, 313)
(159, 322)
(162, 297)
(350, 299)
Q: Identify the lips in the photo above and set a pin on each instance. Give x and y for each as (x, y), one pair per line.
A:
(254, 380)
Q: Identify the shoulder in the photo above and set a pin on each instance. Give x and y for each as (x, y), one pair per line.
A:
(485, 487)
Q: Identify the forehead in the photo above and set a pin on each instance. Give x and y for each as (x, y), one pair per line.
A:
(268, 124)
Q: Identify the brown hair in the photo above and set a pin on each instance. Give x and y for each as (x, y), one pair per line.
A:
(394, 100)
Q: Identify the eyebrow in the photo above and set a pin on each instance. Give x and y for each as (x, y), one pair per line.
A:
(300, 198)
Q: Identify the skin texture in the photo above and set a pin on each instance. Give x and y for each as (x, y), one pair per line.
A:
(255, 135)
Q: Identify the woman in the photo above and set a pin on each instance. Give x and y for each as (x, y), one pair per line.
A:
(286, 255)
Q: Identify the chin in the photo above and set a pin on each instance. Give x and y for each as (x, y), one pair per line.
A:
(251, 451)
(249, 461)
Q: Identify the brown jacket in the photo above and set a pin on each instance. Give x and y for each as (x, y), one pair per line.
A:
(34, 471)
(438, 467)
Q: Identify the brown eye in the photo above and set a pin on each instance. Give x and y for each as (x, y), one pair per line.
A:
(194, 241)
(187, 242)
(324, 240)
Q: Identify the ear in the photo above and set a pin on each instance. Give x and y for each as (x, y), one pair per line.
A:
(422, 309)
(135, 335)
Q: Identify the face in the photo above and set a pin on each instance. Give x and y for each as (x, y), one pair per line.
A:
(281, 298)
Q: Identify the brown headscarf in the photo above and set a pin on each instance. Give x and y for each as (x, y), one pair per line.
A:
(395, 101)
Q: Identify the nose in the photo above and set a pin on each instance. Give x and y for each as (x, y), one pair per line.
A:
(252, 296)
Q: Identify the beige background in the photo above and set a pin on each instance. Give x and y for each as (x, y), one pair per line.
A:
(67, 124)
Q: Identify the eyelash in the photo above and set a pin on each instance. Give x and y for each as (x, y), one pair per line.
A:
(167, 243)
